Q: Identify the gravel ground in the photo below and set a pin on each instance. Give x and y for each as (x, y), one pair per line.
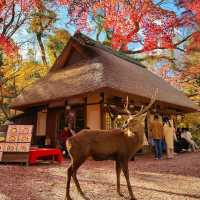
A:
(177, 179)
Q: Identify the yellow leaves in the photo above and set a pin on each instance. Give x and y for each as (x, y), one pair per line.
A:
(28, 73)
(62, 35)
(36, 24)
(42, 20)
(22, 74)
(56, 43)
(191, 119)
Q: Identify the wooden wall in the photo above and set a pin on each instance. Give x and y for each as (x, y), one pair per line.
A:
(93, 111)
(51, 126)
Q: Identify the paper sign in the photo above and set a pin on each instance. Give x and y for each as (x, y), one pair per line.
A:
(26, 129)
(24, 137)
(1, 147)
(23, 147)
(10, 147)
(12, 135)
(19, 133)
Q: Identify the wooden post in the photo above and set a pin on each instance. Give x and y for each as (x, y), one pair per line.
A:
(148, 124)
(85, 112)
(51, 126)
(102, 96)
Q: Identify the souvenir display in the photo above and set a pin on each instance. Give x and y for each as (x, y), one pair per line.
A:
(17, 144)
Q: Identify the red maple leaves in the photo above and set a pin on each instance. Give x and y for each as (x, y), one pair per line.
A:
(141, 22)
(191, 19)
(192, 9)
(193, 14)
(128, 21)
(24, 4)
(7, 46)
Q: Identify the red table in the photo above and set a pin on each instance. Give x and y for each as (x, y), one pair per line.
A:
(36, 153)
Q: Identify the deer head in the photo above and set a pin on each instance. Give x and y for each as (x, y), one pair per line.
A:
(140, 115)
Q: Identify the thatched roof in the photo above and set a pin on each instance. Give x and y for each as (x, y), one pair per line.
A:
(99, 68)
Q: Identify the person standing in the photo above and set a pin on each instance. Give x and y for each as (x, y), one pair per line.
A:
(188, 137)
(169, 135)
(63, 137)
(156, 129)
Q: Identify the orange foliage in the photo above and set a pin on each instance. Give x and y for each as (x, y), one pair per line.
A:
(166, 73)
(6, 44)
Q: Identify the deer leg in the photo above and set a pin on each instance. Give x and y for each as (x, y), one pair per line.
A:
(69, 175)
(126, 174)
(76, 165)
(118, 172)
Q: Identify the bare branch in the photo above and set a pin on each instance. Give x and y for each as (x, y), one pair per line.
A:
(183, 40)
(6, 27)
(175, 46)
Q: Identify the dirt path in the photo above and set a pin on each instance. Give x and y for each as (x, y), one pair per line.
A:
(177, 179)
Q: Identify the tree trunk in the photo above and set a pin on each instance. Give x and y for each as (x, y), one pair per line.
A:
(43, 54)
(2, 107)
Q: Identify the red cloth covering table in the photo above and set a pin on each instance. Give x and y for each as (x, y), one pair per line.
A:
(36, 153)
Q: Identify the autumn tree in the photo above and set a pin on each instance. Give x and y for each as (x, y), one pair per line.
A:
(190, 74)
(56, 43)
(18, 74)
(42, 22)
(143, 23)
(11, 18)
(13, 15)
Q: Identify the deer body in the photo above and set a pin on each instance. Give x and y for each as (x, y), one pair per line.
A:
(118, 145)
(104, 144)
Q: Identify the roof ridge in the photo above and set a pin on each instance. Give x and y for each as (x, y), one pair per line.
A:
(89, 42)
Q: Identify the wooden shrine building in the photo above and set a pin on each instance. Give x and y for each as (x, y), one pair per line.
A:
(86, 80)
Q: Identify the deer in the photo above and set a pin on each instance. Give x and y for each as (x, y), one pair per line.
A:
(119, 145)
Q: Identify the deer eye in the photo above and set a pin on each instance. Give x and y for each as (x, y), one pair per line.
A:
(125, 125)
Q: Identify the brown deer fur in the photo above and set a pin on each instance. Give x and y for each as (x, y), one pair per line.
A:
(118, 145)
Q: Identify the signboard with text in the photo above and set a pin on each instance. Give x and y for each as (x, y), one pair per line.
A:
(17, 144)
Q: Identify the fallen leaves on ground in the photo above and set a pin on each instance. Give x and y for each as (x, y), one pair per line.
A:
(174, 179)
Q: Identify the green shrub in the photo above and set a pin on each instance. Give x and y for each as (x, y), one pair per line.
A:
(196, 137)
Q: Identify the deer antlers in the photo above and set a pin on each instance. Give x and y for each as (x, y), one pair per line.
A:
(142, 110)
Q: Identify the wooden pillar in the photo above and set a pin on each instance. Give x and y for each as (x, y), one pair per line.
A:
(148, 124)
(93, 111)
(102, 109)
(85, 112)
(51, 126)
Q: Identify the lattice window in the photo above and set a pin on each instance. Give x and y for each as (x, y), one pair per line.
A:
(117, 123)
(108, 121)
